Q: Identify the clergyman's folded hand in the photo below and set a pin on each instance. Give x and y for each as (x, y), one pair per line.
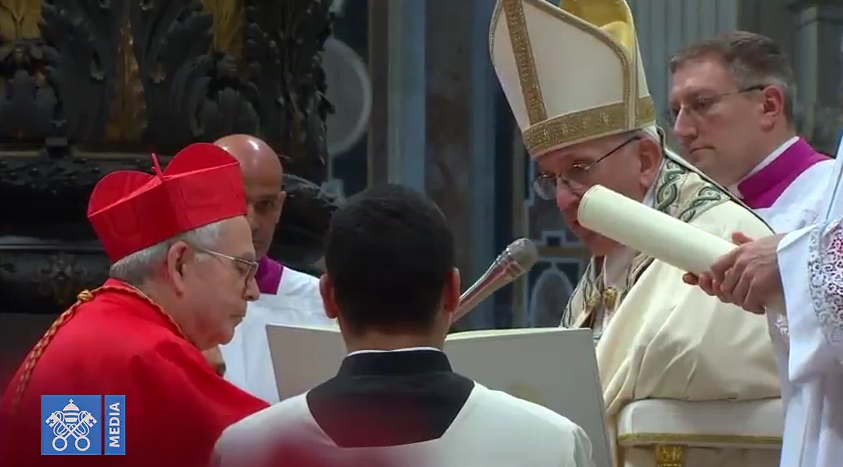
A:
(748, 276)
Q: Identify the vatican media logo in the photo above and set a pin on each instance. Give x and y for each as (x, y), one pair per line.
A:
(82, 426)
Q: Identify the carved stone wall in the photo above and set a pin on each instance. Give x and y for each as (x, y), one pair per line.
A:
(92, 86)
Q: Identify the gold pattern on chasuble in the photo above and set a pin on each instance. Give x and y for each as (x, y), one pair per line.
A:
(683, 195)
(670, 455)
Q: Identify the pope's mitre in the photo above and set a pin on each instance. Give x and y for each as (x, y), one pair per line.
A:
(571, 74)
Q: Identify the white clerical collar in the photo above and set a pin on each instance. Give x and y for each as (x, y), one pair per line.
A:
(764, 163)
(407, 349)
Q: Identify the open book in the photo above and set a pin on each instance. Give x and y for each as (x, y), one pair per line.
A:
(553, 367)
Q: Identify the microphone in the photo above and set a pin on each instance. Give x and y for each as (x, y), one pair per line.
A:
(511, 264)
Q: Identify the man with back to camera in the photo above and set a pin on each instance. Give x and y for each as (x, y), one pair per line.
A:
(287, 296)
(575, 81)
(182, 272)
(392, 285)
(732, 103)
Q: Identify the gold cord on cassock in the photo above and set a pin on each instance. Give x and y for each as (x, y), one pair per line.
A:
(83, 297)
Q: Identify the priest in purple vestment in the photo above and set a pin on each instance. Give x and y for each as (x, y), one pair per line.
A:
(287, 296)
(732, 103)
(732, 100)
(803, 269)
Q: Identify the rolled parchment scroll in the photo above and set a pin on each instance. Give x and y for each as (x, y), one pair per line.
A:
(649, 231)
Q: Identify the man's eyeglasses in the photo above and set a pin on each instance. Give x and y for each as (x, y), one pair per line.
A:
(247, 268)
(575, 179)
(700, 105)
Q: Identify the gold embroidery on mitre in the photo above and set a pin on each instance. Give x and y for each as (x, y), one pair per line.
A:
(608, 21)
(519, 35)
(585, 125)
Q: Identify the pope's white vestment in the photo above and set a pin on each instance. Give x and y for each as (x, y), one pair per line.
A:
(294, 299)
(574, 74)
(659, 338)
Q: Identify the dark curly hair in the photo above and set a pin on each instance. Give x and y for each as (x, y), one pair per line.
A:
(389, 253)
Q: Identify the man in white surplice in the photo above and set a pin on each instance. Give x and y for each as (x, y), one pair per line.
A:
(287, 296)
(732, 103)
(803, 271)
(392, 284)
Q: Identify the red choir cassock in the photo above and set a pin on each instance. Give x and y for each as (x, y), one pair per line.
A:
(117, 341)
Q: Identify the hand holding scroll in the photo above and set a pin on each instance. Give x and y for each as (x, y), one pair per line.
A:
(748, 276)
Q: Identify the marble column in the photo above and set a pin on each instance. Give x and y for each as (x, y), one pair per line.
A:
(819, 29)
(460, 134)
(484, 86)
(406, 137)
(378, 55)
(397, 136)
(433, 122)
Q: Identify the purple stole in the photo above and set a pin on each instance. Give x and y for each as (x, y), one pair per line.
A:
(269, 275)
(762, 189)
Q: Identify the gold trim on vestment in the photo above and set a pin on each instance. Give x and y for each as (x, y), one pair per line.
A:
(513, 10)
(694, 440)
(573, 128)
(670, 449)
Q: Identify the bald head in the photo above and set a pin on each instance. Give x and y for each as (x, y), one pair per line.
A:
(254, 155)
(263, 177)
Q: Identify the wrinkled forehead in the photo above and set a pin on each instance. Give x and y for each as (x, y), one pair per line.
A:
(235, 238)
(581, 153)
